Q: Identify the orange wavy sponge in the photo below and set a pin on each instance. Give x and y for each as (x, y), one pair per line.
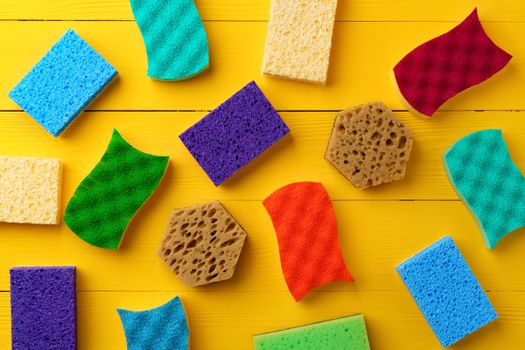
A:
(306, 227)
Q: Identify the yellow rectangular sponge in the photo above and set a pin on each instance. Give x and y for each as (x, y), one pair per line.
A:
(299, 39)
(30, 190)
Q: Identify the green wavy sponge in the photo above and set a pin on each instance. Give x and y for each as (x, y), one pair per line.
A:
(175, 39)
(108, 198)
(343, 333)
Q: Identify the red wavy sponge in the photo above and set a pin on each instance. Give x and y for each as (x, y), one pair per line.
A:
(306, 226)
(443, 67)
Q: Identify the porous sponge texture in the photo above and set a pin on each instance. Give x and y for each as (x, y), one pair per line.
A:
(299, 39)
(369, 145)
(63, 83)
(202, 244)
(174, 36)
(234, 133)
(107, 199)
(43, 308)
(443, 67)
(446, 291)
(304, 220)
(481, 170)
(30, 190)
(347, 333)
(162, 328)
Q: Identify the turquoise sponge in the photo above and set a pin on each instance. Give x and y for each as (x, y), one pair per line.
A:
(343, 333)
(108, 198)
(481, 170)
(174, 36)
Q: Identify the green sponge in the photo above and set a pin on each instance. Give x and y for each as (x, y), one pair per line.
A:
(175, 39)
(108, 198)
(348, 333)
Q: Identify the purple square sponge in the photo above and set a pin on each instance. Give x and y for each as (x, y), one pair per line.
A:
(234, 133)
(43, 308)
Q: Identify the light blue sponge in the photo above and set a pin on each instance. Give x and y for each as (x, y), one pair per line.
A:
(161, 328)
(63, 83)
(481, 170)
(446, 291)
(175, 39)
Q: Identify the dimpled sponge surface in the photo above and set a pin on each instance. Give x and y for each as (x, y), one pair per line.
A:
(348, 333)
(234, 133)
(299, 39)
(304, 219)
(43, 308)
(481, 170)
(443, 67)
(174, 36)
(108, 198)
(446, 291)
(30, 190)
(161, 328)
(63, 83)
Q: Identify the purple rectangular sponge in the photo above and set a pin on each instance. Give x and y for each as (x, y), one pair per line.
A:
(234, 133)
(43, 308)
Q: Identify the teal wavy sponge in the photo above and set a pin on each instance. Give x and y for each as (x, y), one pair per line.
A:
(108, 198)
(343, 333)
(481, 170)
(162, 328)
(175, 39)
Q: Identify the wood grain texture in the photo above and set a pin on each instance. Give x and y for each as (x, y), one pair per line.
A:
(258, 10)
(378, 228)
(363, 55)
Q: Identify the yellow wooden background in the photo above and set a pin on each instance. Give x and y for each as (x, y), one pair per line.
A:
(378, 228)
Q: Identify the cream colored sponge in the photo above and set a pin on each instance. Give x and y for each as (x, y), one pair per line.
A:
(299, 39)
(30, 190)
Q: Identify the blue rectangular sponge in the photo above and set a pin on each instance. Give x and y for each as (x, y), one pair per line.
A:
(446, 291)
(63, 83)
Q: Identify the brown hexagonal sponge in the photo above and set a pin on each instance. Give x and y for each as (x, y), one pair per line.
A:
(202, 244)
(369, 145)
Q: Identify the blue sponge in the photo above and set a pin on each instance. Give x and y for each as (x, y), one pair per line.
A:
(446, 291)
(63, 83)
(161, 328)
(480, 168)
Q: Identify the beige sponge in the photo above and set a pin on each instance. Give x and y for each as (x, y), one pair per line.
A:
(299, 39)
(369, 145)
(30, 190)
(202, 244)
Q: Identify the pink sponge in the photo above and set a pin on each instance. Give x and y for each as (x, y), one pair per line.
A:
(445, 66)
(304, 219)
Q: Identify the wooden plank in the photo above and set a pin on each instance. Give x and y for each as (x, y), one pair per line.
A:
(375, 237)
(297, 157)
(258, 10)
(229, 320)
(352, 79)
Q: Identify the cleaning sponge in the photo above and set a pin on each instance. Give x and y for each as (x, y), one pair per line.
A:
(481, 170)
(106, 200)
(446, 291)
(162, 328)
(43, 308)
(234, 133)
(369, 145)
(304, 219)
(174, 36)
(202, 244)
(30, 190)
(443, 67)
(63, 83)
(347, 333)
(299, 39)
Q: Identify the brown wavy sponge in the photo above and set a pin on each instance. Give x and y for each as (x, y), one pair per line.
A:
(369, 145)
(202, 244)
